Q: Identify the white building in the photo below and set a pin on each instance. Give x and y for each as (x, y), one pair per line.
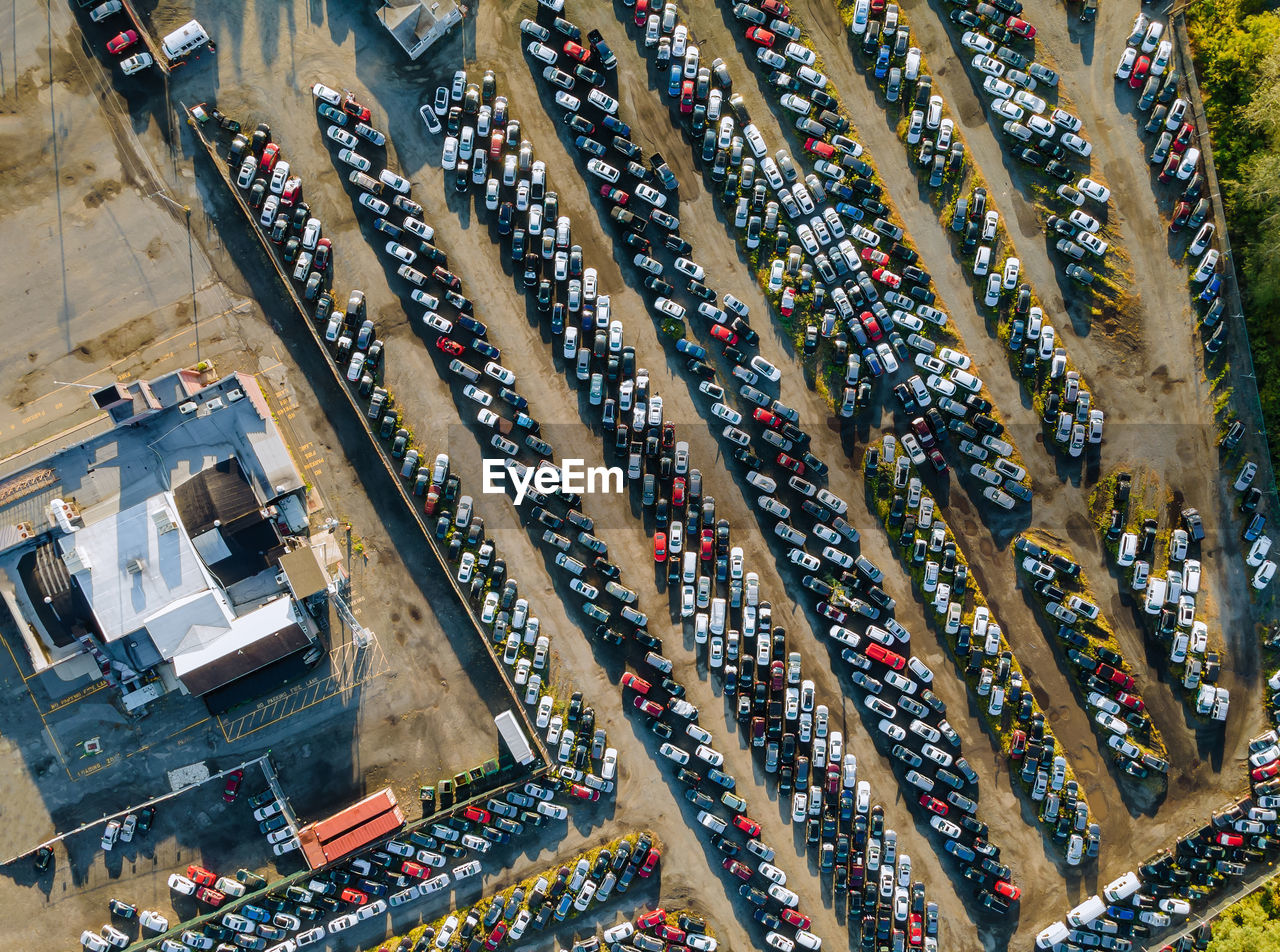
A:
(417, 24)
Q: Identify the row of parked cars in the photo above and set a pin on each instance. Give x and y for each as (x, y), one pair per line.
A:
(929, 549)
(975, 222)
(1145, 65)
(882, 278)
(1168, 600)
(569, 892)
(1114, 705)
(1171, 884)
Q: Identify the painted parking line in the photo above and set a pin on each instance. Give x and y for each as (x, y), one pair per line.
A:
(349, 668)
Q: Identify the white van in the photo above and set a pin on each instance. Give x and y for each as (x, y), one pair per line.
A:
(718, 610)
(1053, 935)
(1157, 586)
(1085, 913)
(1122, 888)
(183, 40)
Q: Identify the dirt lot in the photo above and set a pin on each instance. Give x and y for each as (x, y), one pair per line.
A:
(1156, 402)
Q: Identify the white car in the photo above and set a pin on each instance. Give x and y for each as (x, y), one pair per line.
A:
(449, 153)
(765, 369)
(1258, 551)
(603, 170)
(181, 884)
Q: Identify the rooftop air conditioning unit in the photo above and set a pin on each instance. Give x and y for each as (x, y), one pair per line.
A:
(163, 521)
(214, 404)
(234, 395)
(188, 407)
(135, 566)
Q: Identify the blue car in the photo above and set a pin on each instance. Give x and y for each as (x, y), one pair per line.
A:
(697, 351)
(1212, 288)
(617, 125)
(882, 62)
(849, 211)
(676, 80)
(872, 361)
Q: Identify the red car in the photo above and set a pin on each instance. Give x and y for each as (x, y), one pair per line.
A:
(496, 936)
(877, 6)
(1108, 673)
(270, 155)
(788, 303)
(885, 276)
(353, 896)
(823, 150)
(650, 919)
(1131, 702)
(642, 12)
(833, 780)
(760, 36)
(686, 96)
(722, 333)
(769, 419)
(1266, 771)
(659, 546)
(747, 825)
(1019, 745)
(677, 492)
(670, 933)
(915, 930)
(1229, 839)
(875, 256)
(787, 462)
(615, 195)
(355, 110)
(416, 870)
(878, 652)
(232, 786)
(1139, 73)
(1182, 139)
(776, 8)
(871, 326)
(496, 142)
(575, 51)
(652, 708)
(635, 682)
(650, 862)
(324, 251)
(122, 41)
(200, 876)
(211, 896)
(477, 815)
(1020, 27)
(450, 346)
(933, 804)
(432, 503)
(795, 918)
(708, 545)
(777, 676)
(583, 793)
(1008, 890)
